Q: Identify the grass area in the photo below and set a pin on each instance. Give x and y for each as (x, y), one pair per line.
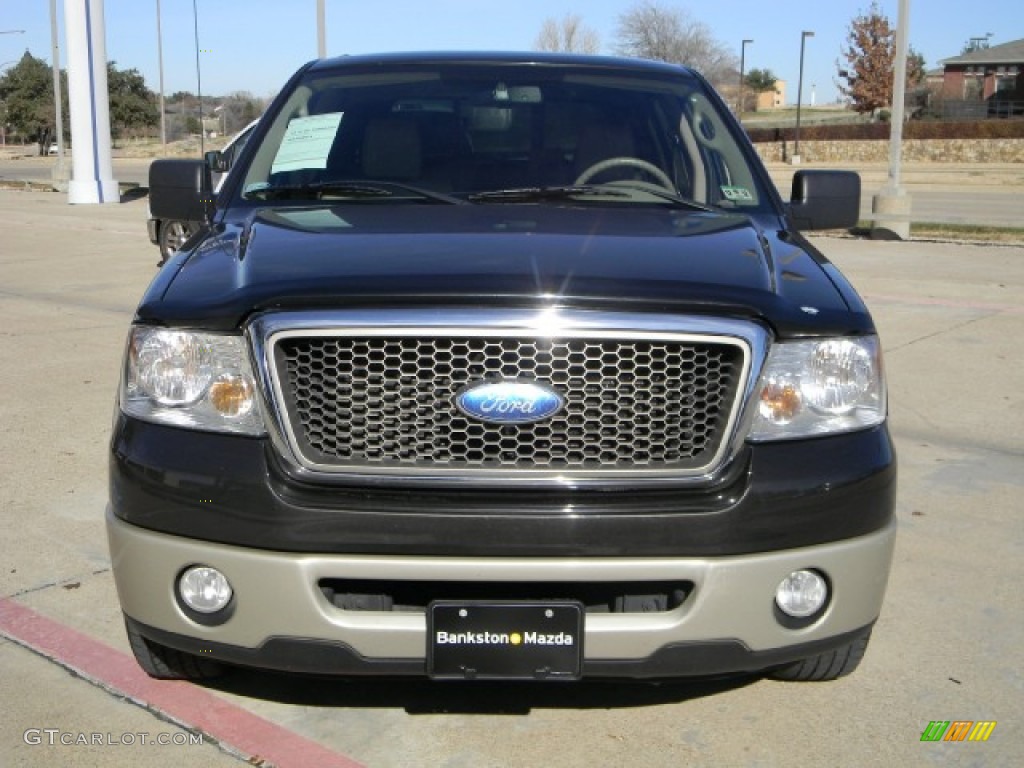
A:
(968, 232)
(785, 117)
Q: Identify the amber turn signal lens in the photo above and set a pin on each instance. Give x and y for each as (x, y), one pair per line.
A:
(780, 401)
(231, 395)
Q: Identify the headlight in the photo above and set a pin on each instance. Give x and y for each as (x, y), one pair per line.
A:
(187, 379)
(820, 387)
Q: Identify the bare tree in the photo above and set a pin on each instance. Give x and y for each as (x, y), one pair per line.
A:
(650, 30)
(569, 35)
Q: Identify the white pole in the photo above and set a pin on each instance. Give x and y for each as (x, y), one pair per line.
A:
(93, 178)
(321, 32)
(891, 207)
(160, 61)
(898, 95)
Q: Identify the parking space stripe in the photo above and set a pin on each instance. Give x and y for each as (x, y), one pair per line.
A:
(194, 708)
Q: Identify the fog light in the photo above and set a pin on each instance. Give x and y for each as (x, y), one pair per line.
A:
(203, 589)
(801, 594)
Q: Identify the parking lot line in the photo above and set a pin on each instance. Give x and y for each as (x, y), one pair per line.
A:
(193, 708)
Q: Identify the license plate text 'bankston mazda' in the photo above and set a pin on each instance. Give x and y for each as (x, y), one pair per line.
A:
(505, 641)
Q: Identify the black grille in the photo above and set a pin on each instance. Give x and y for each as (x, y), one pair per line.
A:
(595, 596)
(357, 402)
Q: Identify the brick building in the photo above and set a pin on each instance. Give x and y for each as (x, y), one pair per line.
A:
(983, 72)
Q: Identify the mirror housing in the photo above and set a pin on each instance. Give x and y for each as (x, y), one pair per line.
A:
(180, 190)
(217, 161)
(825, 200)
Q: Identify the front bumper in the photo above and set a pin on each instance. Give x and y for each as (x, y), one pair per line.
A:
(233, 490)
(282, 620)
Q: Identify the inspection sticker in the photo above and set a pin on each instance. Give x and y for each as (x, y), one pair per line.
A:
(737, 193)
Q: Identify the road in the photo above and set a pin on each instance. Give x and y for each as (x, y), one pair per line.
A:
(993, 205)
(947, 646)
(126, 170)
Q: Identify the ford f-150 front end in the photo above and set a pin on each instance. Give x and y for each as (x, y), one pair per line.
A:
(498, 366)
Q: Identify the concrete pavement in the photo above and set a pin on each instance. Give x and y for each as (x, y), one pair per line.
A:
(947, 645)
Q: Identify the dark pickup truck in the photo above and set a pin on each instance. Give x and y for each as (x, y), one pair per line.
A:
(497, 366)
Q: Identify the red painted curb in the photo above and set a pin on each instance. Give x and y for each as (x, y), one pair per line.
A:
(239, 729)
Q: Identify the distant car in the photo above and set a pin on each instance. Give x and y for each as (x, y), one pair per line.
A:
(170, 234)
(53, 150)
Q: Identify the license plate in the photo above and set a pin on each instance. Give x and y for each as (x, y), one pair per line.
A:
(505, 640)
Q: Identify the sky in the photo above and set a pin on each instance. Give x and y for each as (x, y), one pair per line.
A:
(255, 45)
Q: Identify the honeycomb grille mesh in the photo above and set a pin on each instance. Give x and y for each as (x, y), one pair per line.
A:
(360, 402)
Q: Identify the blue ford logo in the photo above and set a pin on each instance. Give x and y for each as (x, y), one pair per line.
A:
(508, 402)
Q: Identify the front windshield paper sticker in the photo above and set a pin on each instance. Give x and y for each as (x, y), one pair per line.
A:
(307, 142)
(737, 193)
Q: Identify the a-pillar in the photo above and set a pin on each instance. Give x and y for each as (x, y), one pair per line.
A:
(92, 175)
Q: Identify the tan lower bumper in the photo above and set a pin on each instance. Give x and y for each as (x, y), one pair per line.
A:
(276, 593)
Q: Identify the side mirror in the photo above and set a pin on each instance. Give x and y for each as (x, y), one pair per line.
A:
(217, 161)
(180, 190)
(825, 200)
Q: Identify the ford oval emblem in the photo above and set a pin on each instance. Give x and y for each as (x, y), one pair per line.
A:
(508, 402)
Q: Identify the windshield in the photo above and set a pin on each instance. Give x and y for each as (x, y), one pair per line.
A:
(499, 134)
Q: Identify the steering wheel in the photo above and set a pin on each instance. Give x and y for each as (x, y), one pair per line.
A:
(631, 162)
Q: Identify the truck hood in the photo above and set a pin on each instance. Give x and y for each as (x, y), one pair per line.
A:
(640, 259)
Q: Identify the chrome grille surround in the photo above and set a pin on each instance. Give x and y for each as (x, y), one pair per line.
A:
(403, 428)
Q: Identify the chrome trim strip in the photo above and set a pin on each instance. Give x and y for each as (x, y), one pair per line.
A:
(267, 330)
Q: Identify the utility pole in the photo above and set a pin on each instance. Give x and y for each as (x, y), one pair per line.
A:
(59, 173)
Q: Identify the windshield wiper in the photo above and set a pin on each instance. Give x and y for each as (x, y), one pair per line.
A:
(316, 190)
(671, 197)
(542, 194)
(355, 190)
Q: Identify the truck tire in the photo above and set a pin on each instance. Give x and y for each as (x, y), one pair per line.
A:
(826, 666)
(163, 663)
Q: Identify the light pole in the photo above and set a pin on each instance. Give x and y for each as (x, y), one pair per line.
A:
(199, 81)
(321, 29)
(160, 63)
(743, 57)
(891, 207)
(795, 160)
